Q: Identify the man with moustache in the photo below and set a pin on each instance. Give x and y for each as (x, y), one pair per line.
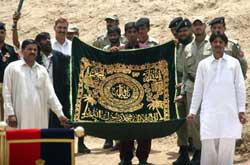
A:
(232, 48)
(143, 26)
(219, 90)
(196, 51)
(60, 42)
(7, 55)
(103, 40)
(28, 92)
(114, 34)
(184, 36)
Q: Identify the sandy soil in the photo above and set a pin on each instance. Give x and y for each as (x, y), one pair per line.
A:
(88, 15)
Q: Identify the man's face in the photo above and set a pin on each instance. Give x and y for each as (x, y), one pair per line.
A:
(2, 35)
(114, 38)
(198, 28)
(143, 31)
(219, 27)
(61, 29)
(45, 44)
(70, 35)
(30, 53)
(218, 46)
(173, 31)
(111, 23)
(131, 34)
(184, 33)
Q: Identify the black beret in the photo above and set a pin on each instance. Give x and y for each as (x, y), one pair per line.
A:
(142, 21)
(2, 26)
(217, 20)
(184, 23)
(175, 22)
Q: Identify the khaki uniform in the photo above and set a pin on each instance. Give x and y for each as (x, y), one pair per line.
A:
(194, 53)
(182, 132)
(234, 49)
(103, 41)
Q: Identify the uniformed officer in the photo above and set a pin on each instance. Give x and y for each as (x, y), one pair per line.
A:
(233, 48)
(173, 24)
(184, 36)
(143, 26)
(196, 51)
(102, 41)
(7, 55)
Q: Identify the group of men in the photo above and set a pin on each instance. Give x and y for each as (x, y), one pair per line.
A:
(210, 95)
(39, 82)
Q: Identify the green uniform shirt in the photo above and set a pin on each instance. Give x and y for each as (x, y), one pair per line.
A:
(193, 54)
(103, 41)
(233, 49)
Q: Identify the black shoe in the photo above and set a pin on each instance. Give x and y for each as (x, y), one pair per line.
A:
(196, 158)
(125, 162)
(115, 147)
(108, 144)
(83, 149)
(183, 158)
(143, 162)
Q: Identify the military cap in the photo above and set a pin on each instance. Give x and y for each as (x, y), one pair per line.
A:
(112, 17)
(175, 22)
(184, 23)
(217, 20)
(72, 28)
(142, 21)
(2, 26)
(198, 18)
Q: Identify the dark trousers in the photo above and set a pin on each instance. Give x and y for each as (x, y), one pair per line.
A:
(126, 148)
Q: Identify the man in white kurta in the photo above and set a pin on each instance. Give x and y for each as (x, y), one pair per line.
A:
(220, 91)
(28, 92)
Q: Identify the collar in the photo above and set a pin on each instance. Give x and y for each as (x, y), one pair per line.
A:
(46, 57)
(66, 42)
(224, 57)
(23, 63)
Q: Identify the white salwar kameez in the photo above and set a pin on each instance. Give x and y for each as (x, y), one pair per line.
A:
(220, 91)
(28, 93)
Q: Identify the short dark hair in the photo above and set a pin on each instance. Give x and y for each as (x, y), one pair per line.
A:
(143, 22)
(28, 42)
(130, 25)
(114, 30)
(61, 20)
(42, 35)
(218, 35)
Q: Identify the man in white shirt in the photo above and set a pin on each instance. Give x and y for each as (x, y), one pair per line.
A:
(220, 91)
(28, 92)
(60, 42)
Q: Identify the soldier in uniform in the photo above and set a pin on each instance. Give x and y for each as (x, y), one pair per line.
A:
(7, 55)
(73, 31)
(172, 26)
(183, 34)
(196, 51)
(114, 34)
(233, 48)
(102, 41)
(143, 26)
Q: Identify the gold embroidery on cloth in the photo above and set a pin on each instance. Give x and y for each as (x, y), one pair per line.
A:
(124, 90)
